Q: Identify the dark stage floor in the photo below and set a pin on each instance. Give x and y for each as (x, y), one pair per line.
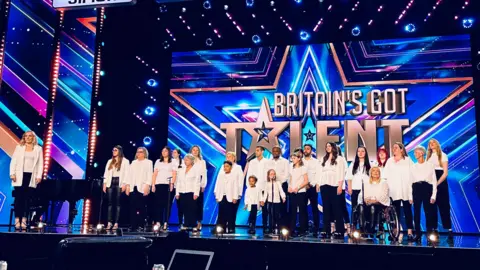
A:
(255, 252)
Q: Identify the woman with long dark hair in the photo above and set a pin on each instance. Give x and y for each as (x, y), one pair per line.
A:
(163, 180)
(358, 173)
(331, 176)
(26, 168)
(398, 175)
(439, 159)
(114, 183)
(201, 167)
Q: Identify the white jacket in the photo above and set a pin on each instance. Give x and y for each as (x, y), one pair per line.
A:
(123, 173)
(140, 174)
(226, 185)
(16, 165)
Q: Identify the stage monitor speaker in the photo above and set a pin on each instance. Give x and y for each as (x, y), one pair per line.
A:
(102, 253)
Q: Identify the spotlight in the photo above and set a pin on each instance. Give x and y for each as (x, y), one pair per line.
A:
(410, 28)
(298, 1)
(304, 35)
(152, 83)
(156, 228)
(356, 31)
(147, 141)
(219, 229)
(225, 7)
(184, 10)
(163, 9)
(209, 42)
(256, 39)
(284, 232)
(99, 227)
(432, 237)
(272, 3)
(207, 5)
(100, 104)
(102, 73)
(356, 235)
(95, 165)
(40, 225)
(249, 3)
(468, 23)
(149, 110)
(98, 133)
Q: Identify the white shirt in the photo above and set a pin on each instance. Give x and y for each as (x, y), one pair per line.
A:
(140, 174)
(188, 182)
(360, 174)
(226, 185)
(252, 197)
(331, 175)
(297, 176)
(311, 165)
(201, 167)
(238, 175)
(28, 161)
(375, 191)
(274, 190)
(259, 169)
(425, 172)
(434, 160)
(398, 177)
(122, 174)
(280, 166)
(164, 171)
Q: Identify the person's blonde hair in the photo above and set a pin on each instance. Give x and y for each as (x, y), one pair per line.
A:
(191, 157)
(23, 142)
(438, 149)
(199, 151)
(233, 154)
(145, 151)
(379, 173)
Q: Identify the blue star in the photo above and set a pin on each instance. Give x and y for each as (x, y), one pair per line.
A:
(309, 135)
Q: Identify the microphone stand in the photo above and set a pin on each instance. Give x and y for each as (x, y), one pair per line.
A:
(272, 212)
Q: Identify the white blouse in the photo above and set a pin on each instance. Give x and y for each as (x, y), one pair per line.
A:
(331, 175)
(398, 176)
(238, 175)
(164, 172)
(122, 174)
(259, 169)
(375, 191)
(311, 165)
(297, 178)
(360, 174)
(252, 197)
(425, 172)
(226, 185)
(188, 182)
(140, 174)
(434, 160)
(281, 168)
(28, 161)
(201, 167)
(274, 190)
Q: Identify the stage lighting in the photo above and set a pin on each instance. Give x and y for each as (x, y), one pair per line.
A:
(100, 104)
(102, 73)
(163, 9)
(184, 10)
(249, 3)
(219, 229)
(149, 110)
(95, 165)
(433, 237)
(284, 232)
(256, 39)
(147, 141)
(272, 3)
(40, 225)
(152, 83)
(304, 35)
(356, 235)
(410, 28)
(468, 23)
(298, 1)
(97, 133)
(209, 42)
(156, 228)
(356, 31)
(225, 7)
(207, 5)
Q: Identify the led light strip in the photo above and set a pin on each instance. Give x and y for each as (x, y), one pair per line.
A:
(3, 33)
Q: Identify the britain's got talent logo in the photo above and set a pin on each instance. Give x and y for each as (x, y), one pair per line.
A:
(265, 130)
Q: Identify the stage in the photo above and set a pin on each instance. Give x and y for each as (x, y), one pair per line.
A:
(241, 251)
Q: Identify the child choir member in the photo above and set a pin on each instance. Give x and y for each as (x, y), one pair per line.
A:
(272, 199)
(252, 200)
(226, 195)
(280, 165)
(259, 167)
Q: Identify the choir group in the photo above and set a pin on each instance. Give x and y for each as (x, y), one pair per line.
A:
(283, 190)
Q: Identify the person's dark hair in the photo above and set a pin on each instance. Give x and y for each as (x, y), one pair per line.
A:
(117, 163)
(261, 147)
(366, 164)
(380, 164)
(309, 145)
(333, 161)
(169, 158)
(228, 162)
(179, 157)
(253, 177)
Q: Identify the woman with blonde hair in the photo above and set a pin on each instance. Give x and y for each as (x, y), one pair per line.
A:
(201, 166)
(114, 183)
(26, 168)
(139, 177)
(188, 190)
(439, 159)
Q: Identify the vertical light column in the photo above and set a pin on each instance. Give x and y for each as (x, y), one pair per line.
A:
(4, 8)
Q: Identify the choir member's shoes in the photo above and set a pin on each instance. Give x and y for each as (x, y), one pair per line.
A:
(417, 238)
(195, 231)
(450, 235)
(338, 236)
(410, 238)
(140, 230)
(324, 235)
(109, 226)
(182, 228)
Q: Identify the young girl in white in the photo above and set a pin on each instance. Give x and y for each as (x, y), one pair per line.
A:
(273, 197)
(252, 200)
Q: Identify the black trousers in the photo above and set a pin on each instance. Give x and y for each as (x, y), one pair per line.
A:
(343, 206)
(137, 209)
(264, 214)
(189, 207)
(422, 193)
(298, 201)
(226, 215)
(23, 195)
(163, 205)
(284, 220)
(354, 202)
(442, 203)
(199, 208)
(369, 216)
(274, 215)
(252, 218)
(407, 211)
(312, 196)
(113, 196)
(331, 209)
(179, 212)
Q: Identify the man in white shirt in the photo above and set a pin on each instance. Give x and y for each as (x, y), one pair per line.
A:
(311, 163)
(259, 167)
(280, 165)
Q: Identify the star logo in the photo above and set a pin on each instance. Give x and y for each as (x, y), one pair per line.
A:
(263, 132)
(309, 135)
